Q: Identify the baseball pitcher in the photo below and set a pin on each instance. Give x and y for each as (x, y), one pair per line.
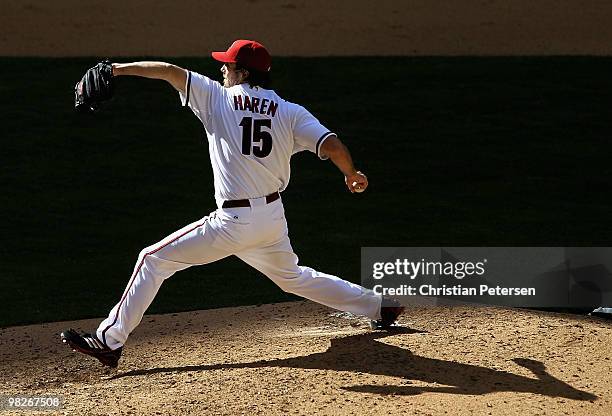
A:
(252, 133)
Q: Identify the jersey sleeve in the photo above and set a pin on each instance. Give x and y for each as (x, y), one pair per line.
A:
(200, 92)
(309, 133)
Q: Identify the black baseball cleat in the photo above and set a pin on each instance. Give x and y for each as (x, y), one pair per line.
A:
(601, 312)
(90, 344)
(388, 314)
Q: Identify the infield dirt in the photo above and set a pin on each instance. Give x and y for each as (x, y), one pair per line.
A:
(300, 358)
(306, 28)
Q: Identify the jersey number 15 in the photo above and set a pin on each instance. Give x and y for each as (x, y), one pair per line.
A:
(253, 138)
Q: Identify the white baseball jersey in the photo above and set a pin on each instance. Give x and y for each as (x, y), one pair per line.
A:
(252, 134)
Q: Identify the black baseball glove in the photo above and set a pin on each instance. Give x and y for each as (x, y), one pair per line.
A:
(95, 87)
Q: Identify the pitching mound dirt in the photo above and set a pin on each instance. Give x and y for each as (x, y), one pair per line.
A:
(300, 358)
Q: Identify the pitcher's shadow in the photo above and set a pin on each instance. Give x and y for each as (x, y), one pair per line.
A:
(361, 353)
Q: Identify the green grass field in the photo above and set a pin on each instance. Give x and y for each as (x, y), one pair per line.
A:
(459, 151)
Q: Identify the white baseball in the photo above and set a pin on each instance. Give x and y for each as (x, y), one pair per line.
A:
(359, 190)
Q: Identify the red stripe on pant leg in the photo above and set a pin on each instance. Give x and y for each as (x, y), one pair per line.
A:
(133, 278)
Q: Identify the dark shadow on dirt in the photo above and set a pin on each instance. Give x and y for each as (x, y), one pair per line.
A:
(364, 354)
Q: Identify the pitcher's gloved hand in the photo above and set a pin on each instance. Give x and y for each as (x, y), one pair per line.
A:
(95, 87)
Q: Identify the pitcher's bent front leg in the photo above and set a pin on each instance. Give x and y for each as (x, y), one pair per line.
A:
(195, 244)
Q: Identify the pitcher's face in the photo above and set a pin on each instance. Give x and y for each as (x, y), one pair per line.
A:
(231, 75)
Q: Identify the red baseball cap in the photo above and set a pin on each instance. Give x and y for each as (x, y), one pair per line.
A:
(247, 53)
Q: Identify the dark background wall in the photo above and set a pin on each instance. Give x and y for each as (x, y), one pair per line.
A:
(459, 151)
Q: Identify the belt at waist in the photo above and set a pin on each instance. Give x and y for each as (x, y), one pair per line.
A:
(238, 203)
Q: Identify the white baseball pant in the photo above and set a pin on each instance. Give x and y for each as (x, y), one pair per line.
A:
(257, 235)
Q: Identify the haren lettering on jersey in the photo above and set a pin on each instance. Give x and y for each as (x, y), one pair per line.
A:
(253, 104)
